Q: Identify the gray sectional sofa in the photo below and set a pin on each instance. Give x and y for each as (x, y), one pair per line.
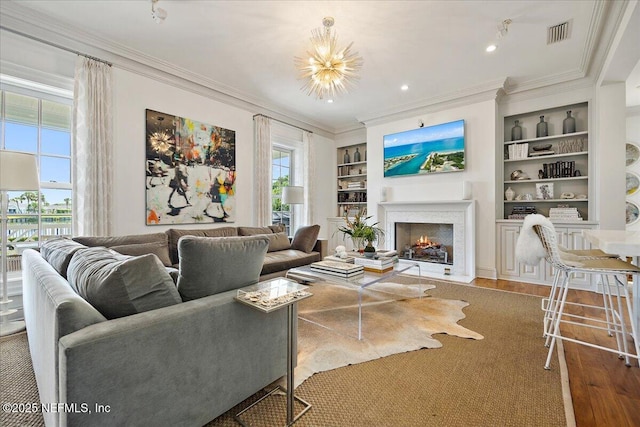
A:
(113, 338)
(282, 254)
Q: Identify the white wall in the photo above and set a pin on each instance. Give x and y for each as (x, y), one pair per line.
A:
(480, 137)
(610, 152)
(324, 198)
(132, 94)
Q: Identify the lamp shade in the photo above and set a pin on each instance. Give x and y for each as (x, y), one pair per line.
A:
(18, 171)
(293, 195)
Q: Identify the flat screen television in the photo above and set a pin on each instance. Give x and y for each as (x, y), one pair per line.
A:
(425, 150)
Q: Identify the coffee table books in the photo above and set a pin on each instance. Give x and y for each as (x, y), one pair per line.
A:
(348, 259)
(380, 265)
(337, 268)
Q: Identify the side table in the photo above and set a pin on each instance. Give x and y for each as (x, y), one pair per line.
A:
(269, 296)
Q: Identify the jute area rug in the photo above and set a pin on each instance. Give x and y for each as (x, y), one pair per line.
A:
(494, 381)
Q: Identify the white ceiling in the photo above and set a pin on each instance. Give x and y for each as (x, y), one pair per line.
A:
(246, 49)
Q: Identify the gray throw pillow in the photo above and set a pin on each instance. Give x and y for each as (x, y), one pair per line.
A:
(119, 285)
(58, 253)
(305, 238)
(175, 234)
(209, 266)
(159, 249)
(278, 242)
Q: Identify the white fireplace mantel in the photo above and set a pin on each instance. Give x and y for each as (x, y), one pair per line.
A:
(459, 213)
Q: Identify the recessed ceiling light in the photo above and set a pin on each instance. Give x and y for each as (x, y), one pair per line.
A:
(491, 48)
(404, 87)
(330, 101)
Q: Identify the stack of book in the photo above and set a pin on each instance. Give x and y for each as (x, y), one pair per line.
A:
(348, 259)
(565, 214)
(335, 268)
(380, 265)
(541, 153)
(355, 184)
(519, 212)
(518, 151)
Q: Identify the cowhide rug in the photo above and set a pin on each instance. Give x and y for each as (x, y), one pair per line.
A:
(395, 320)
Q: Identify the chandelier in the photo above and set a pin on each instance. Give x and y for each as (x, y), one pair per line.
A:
(328, 71)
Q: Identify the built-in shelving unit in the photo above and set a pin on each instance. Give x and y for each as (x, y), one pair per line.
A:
(566, 177)
(559, 178)
(352, 179)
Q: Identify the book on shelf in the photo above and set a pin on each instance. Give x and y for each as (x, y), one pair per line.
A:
(336, 268)
(541, 153)
(518, 151)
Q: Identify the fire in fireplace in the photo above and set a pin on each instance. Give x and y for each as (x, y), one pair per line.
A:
(413, 242)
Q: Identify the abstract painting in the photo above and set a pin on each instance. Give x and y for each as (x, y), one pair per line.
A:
(190, 171)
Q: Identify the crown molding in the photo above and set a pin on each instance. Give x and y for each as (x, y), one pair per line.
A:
(598, 16)
(466, 96)
(572, 86)
(51, 83)
(552, 80)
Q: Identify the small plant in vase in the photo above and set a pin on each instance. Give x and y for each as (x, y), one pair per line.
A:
(361, 232)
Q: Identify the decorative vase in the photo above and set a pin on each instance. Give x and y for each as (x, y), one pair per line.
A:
(369, 251)
(356, 155)
(347, 157)
(509, 193)
(541, 128)
(569, 124)
(516, 131)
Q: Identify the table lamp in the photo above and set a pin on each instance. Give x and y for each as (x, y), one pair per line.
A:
(293, 195)
(18, 172)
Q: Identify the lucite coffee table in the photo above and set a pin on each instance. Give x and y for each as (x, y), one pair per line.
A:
(360, 283)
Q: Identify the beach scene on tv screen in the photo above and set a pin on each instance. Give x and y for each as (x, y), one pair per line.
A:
(432, 149)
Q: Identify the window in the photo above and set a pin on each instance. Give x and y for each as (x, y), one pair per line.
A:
(281, 169)
(39, 123)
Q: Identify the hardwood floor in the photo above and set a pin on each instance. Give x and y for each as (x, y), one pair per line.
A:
(604, 390)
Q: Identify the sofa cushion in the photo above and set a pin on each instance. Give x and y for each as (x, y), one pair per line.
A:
(175, 235)
(119, 285)
(252, 231)
(289, 258)
(131, 239)
(159, 249)
(58, 253)
(210, 266)
(278, 242)
(305, 238)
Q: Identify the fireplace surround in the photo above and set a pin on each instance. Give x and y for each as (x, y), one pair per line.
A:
(458, 215)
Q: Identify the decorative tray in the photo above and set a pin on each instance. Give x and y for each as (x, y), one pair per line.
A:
(272, 294)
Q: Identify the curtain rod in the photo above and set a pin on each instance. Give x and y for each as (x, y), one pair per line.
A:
(280, 121)
(47, 42)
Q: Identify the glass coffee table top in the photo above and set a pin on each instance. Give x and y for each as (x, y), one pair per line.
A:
(366, 290)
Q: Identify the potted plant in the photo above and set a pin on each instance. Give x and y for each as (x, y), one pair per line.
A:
(362, 233)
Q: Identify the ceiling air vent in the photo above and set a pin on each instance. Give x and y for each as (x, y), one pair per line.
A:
(557, 33)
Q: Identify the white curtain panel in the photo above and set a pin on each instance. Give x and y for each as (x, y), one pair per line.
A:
(262, 137)
(309, 174)
(92, 148)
